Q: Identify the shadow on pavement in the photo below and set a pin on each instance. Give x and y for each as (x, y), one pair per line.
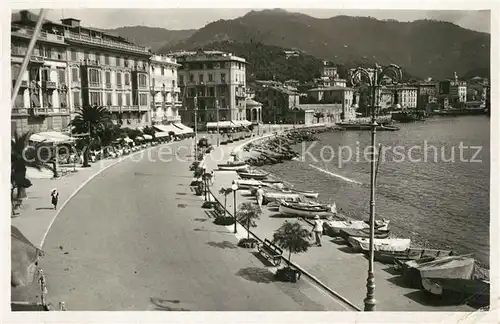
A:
(262, 259)
(399, 281)
(392, 271)
(258, 275)
(44, 208)
(278, 215)
(181, 193)
(426, 299)
(200, 219)
(348, 250)
(223, 245)
(162, 304)
(213, 231)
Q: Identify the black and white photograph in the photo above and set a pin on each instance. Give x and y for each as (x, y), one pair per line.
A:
(252, 159)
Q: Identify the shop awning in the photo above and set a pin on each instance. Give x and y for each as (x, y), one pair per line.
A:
(222, 124)
(167, 129)
(52, 137)
(184, 128)
(245, 122)
(241, 123)
(147, 136)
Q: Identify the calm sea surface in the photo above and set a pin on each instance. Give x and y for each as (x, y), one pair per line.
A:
(439, 200)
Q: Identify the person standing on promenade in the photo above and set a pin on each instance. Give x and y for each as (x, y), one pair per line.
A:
(318, 229)
(260, 196)
(54, 194)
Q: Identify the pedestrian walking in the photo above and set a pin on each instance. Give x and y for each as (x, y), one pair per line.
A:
(318, 229)
(260, 196)
(54, 194)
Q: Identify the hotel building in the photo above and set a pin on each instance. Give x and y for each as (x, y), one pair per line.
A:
(210, 80)
(74, 66)
(165, 98)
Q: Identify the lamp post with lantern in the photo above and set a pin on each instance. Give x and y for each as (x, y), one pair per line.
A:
(373, 77)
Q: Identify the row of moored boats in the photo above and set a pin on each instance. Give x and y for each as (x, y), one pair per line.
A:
(454, 278)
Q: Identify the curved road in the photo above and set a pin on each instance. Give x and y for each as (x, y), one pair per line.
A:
(135, 238)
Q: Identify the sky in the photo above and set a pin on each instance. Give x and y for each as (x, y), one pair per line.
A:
(188, 18)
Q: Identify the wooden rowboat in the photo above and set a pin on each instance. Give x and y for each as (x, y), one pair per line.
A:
(242, 166)
(307, 194)
(249, 175)
(348, 232)
(410, 254)
(394, 244)
(304, 210)
(457, 291)
(333, 228)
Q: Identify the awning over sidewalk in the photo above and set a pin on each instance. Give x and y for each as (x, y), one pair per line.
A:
(52, 137)
(184, 128)
(241, 123)
(147, 136)
(167, 129)
(222, 124)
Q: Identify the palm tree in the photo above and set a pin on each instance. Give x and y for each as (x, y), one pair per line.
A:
(247, 214)
(22, 156)
(91, 120)
(292, 237)
(225, 192)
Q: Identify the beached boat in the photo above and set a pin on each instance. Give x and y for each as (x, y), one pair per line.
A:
(458, 290)
(458, 267)
(358, 126)
(304, 210)
(247, 184)
(393, 244)
(251, 175)
(270, 196)
(233, 166)
(307, 194)
(332, 228)
(345, 233)
(410, 254)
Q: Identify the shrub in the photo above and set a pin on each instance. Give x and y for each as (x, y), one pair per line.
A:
(287, 274)
(248, 242)
(209, 204)
(224, 220)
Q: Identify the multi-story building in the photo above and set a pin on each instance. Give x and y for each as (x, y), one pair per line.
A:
(277, 102)
(41, 103)
(407, 96)
(165, 99)
(453, 92)
(334, 95)
(329, 70)
(427, 94)
(215, 83)
(100, 69)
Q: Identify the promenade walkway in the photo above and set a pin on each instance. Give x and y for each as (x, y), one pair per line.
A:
(333, 264)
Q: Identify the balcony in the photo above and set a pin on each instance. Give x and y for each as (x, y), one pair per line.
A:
(48, 37)
(89, 62)
(19, 112)
(114, 108)
(118, 86)
(37, 59)
(75, 84)
(24, 83)
(41, 111)
(144, 108)
(71, 36)
(172, 118)
(95, 85)
(108, 85)
(49, 85)
(139, 68)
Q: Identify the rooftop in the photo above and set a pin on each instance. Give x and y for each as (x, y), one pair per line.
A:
(333, 88)
(194, 56)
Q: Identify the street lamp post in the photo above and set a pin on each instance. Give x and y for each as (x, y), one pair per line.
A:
(373, 80)
(217, 110)
(195, 128)
(235, 188)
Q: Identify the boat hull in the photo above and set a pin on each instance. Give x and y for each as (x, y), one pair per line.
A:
(307, 194)
(278, 197)
(232, 167)
(254, 176)
(457, 290)
(304, 211)
(410, 254)
(363, 244)
(348, 232)
(333, 228)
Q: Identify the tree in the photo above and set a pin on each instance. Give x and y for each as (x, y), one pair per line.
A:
(92, 120)
(150, 131)
(247, 214)
(318, 115)
(22, 156)
(292, 237)
(330, 116)
(225, 192)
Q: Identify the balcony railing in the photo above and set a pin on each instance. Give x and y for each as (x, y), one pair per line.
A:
(51, 85)
(41, 111)
(28, 32)
(75, 84)
(91, 62)
(105, 43)
(172, 118)
(37, 59)
(24, 83)
(19, 112)
(95, 84)
(108, 85)
(140, 68)
(118, 86)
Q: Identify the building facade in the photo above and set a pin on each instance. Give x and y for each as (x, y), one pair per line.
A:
(342, 96)
(165, 92)
(278, 103)
(407, 96)
(41, 103)
(452, 92)
(74, 66)
(215, 83)
(427, 94)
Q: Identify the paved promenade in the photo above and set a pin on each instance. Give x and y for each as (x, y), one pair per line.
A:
(333, 264)
(136, 238)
